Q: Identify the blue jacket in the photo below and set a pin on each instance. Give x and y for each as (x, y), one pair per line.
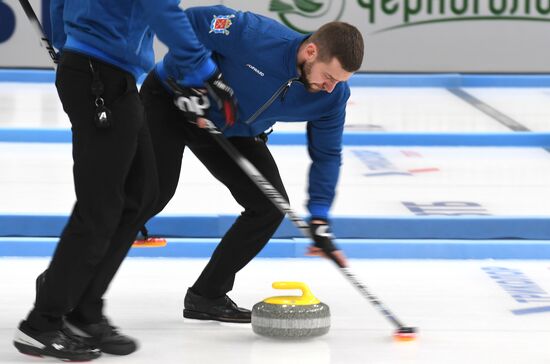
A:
(121, 32)
(258, 58)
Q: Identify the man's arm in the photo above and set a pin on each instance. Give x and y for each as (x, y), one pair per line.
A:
(187, 55)
(324, 146)
(325, 149)
(57, 27)
(188, 61)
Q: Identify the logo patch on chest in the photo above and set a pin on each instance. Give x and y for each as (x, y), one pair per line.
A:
(221, 23)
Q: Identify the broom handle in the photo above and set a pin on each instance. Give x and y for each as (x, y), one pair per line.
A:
(44, 41)
(282, 204)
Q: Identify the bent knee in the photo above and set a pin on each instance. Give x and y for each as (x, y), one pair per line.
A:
(267, 212)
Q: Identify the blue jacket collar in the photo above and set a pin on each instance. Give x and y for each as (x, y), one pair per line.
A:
(292, 54)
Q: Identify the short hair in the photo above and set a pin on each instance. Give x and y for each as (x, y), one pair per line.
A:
(340, 40)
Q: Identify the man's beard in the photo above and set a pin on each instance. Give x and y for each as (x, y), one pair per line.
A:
(305, 70)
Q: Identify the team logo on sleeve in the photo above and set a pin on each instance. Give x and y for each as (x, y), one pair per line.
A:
(221, 23)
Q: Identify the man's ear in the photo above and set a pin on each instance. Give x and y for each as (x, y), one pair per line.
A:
(311, 52)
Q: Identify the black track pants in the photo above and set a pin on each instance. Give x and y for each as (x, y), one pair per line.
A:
(259, 220)
(116, 188)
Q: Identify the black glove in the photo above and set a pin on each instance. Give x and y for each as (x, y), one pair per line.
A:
(224, 97)
(191, 101)
(322, 235)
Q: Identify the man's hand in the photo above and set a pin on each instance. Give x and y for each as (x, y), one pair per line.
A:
(224, 97)
(323, 242)
(192, 102)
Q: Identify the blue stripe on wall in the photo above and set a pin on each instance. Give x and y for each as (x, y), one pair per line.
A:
(447, 80)
(450, 80)
(295, 248)
(25, 75)
(213, 226)
(506, 139)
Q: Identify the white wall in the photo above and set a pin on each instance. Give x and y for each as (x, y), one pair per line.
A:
(453, 35)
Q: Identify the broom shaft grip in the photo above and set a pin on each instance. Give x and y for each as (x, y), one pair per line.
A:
(35, 23)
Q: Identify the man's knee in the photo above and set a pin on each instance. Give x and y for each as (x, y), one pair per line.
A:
(268, 212)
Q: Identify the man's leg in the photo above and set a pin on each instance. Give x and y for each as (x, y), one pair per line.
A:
(170, 133)
(250, 232)
(102, 161)
(141, 192)
(166, 126)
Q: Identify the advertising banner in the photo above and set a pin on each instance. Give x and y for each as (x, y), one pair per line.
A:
(481, 36)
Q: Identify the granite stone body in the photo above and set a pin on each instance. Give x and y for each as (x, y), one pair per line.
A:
(290, 321)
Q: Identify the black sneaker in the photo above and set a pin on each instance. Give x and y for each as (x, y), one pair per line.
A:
(104, 336)
(218, 309)
(61, 344)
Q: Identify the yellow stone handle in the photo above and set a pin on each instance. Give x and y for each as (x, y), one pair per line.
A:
(306, 292)
(307, 298)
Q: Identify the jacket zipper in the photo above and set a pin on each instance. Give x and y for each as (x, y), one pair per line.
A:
(281, 90)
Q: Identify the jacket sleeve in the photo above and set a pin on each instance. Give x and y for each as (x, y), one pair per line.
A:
(186, 55)
(57, 26)
(324, 138)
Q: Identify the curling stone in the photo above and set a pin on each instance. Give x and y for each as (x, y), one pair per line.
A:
(291, 316)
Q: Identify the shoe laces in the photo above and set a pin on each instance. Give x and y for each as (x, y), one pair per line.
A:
(70, 341)
(230, 302)
(107, 329)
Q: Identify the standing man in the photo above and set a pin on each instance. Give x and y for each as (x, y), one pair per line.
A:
(105, 46)
(277, 75)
